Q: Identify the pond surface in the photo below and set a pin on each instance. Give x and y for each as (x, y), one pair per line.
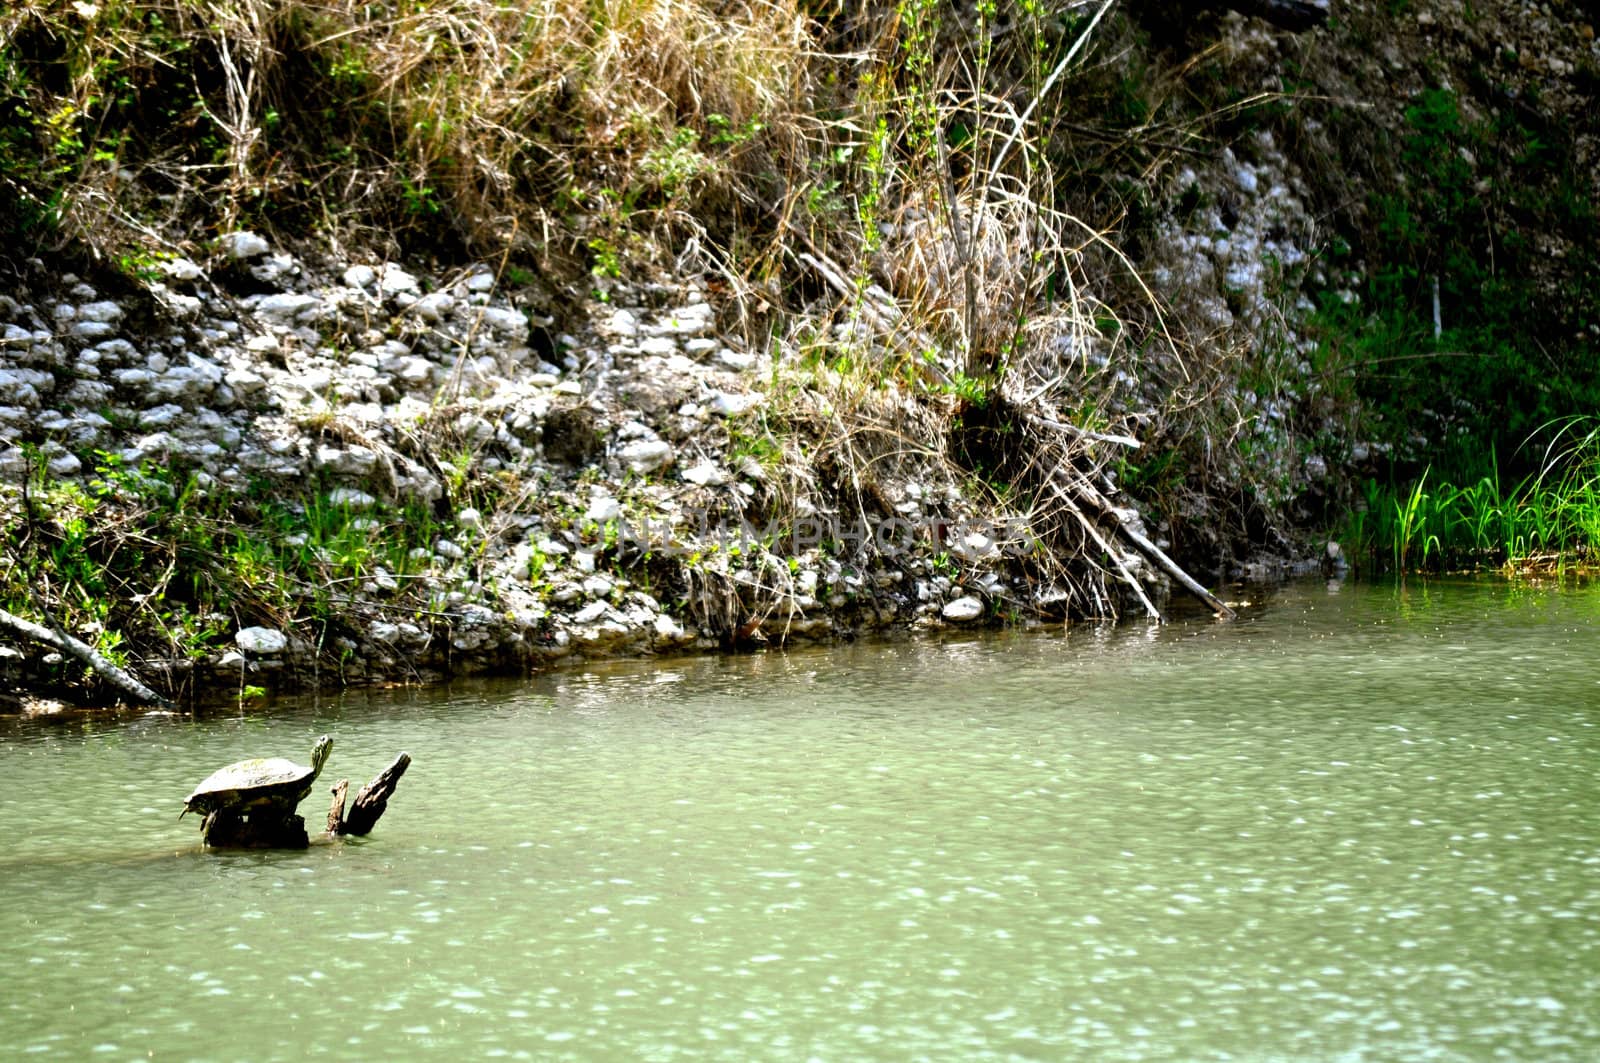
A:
(1360, 823)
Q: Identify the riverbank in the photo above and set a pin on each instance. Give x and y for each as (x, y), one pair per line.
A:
(276, 474)
(371, 343)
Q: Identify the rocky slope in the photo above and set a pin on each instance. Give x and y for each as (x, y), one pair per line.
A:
(614, 489)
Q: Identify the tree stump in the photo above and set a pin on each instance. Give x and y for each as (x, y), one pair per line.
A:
(370, 803)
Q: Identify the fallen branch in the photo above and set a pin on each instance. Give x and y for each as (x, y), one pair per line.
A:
(1152, 551)
(1083, 433)
(1077, 493)
(83, 652)
(1063, 495)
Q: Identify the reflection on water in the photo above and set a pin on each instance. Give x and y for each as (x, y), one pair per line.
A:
(1355, 824)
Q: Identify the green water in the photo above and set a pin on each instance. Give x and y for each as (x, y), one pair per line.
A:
(1359, 824)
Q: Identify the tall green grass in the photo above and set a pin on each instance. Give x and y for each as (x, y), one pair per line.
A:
(1549, 520)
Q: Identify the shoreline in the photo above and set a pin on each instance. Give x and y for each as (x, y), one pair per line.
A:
(365, 474)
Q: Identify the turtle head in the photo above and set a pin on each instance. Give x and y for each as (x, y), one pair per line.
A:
(319, 753)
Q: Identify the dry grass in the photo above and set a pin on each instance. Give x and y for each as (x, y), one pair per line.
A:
(494, 122)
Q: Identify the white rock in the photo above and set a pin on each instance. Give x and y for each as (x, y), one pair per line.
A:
(65, 465)
(88, 394)
(262, 640)
(186, 385)
(92, 330)
(245, 382)
(384, 632)
(590, 613)
(669, 629)
(602, 508)
(963, 609)
(512, 323)
(738, 360)
(274, 268)
(623, 323)
(243, 245)
(359, 276)
(434, 307)
(394, 280)
(731, 404)
(449, 550)
(180, 305)
(469, 518)
(413, 371)
(355, 461)
(182, 270)
(646, 455)
(160, 416)
(101, 311)
(288, 307)
(18, 386)
(692, 320)
(706, 474)
(350, 498)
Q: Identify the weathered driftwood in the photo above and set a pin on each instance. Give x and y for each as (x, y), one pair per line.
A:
(370, 803)
(336, 810)
(1064, 495)
(58, 639)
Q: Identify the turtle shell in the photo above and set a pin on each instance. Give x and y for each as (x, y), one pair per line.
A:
(258, 783)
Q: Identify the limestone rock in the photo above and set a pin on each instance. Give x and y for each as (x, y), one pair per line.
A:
(963, 610)
(242, 245)
(264, 641)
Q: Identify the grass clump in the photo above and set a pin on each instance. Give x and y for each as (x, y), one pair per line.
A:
(1548, 520)
(149, 562)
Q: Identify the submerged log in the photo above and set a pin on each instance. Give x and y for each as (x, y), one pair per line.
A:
(370, 803)
(228, 829)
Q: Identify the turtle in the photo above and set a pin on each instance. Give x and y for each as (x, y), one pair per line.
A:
(265, 784)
